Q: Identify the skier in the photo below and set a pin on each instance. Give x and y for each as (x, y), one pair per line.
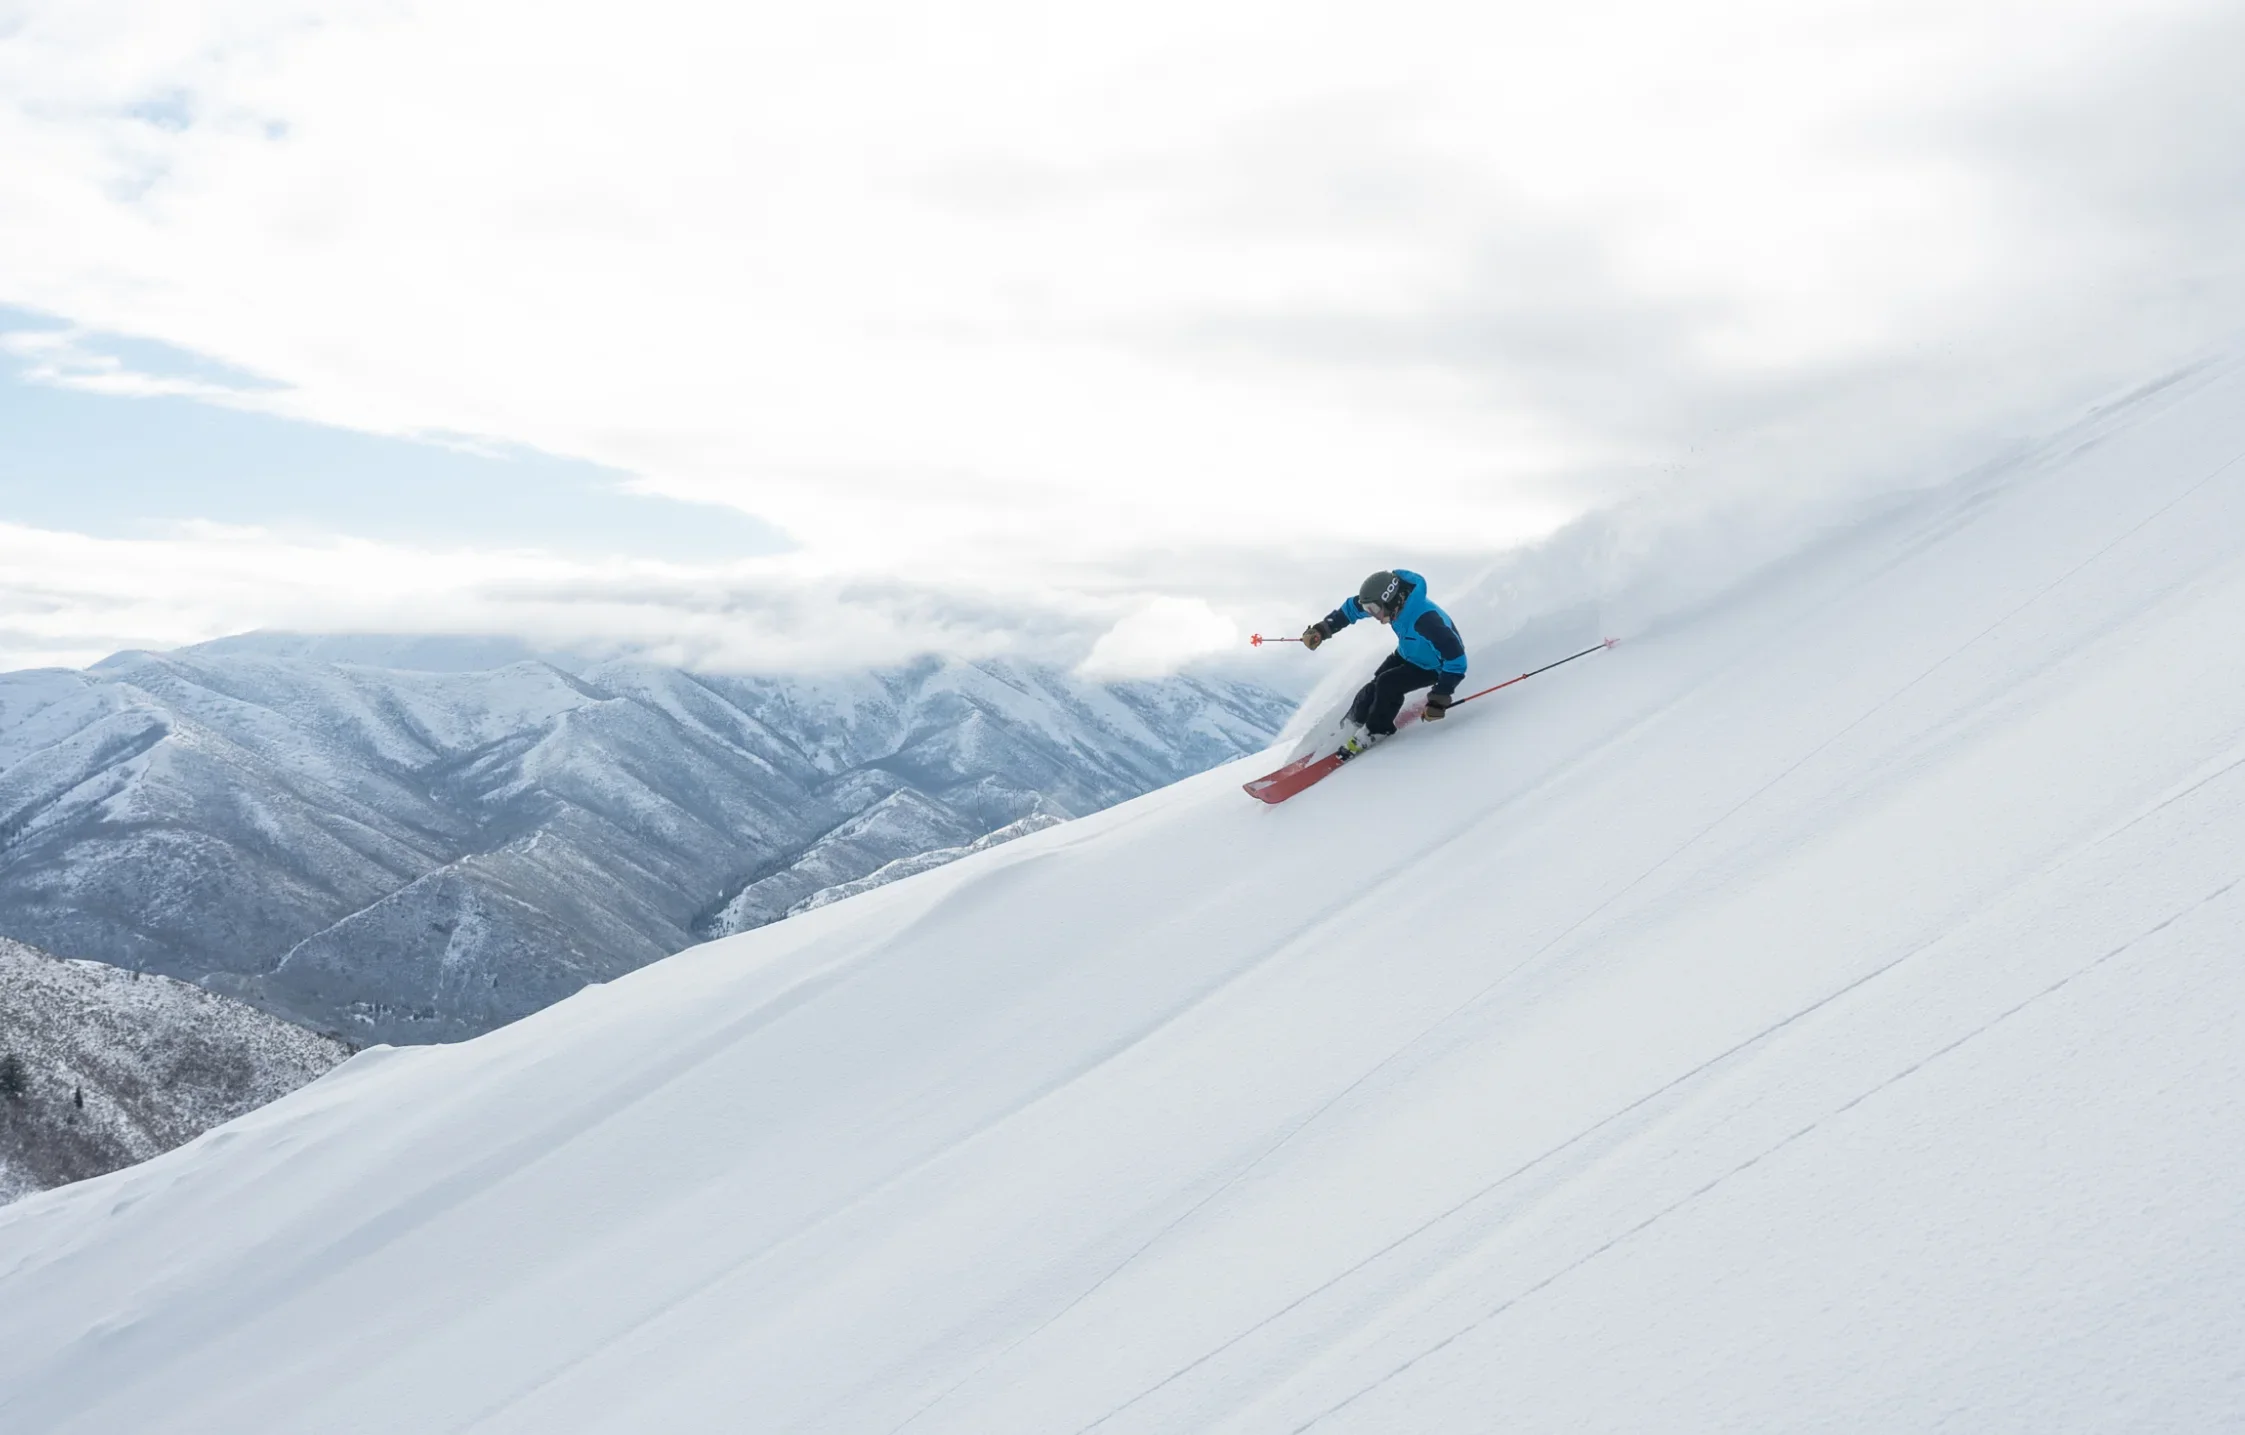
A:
(1427, 652)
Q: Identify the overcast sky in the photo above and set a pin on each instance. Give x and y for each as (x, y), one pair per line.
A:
(782, 334)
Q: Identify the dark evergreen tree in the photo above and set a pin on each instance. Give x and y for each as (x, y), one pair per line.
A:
(12, 1080)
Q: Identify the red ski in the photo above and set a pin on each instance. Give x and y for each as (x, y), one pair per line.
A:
(1276, 787)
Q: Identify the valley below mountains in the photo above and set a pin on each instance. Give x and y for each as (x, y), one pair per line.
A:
(408, 854)
(101, 1067)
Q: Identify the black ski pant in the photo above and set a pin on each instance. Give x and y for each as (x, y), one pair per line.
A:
(1379, 700)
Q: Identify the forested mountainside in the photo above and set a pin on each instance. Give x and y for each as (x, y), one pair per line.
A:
(101, 1067)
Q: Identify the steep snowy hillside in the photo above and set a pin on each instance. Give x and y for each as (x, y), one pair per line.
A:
(423, 855)
(111, 1068)
(1820, 1013)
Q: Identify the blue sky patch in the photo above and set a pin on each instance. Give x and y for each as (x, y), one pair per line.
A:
(116, 466)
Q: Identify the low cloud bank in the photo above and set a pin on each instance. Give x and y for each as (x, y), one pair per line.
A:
(1623, 569)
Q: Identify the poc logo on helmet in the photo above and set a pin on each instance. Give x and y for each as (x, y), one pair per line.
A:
(1383, 591)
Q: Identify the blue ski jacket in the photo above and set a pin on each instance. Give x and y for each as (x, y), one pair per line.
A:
(1424, 635)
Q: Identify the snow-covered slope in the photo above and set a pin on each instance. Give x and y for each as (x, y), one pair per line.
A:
(423, 855)
(1820, 1013)
(115, 1067)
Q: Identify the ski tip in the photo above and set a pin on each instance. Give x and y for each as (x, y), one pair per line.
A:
(1276, 787)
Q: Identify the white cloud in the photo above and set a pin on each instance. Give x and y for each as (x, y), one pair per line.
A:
(1159, 637)
(67, 599)
(1020, 298)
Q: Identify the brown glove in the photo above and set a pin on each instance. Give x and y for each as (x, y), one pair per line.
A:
(1312, 636)
(1437, 705)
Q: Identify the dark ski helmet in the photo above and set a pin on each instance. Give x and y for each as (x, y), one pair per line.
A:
(1382, 590)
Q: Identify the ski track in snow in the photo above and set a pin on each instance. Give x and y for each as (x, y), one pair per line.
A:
(1841, 1110)
(1818, 1012)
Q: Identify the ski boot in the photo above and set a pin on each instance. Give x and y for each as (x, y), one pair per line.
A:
(1356, 740)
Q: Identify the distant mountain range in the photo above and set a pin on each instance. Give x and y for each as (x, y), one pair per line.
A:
(422, 853)
(100, 1068)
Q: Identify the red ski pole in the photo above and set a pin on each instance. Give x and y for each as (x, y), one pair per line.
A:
(1547, 667)
(1257, 640)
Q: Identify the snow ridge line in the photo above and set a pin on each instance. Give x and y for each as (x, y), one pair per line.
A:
(1505, 976)
(1755, 1160)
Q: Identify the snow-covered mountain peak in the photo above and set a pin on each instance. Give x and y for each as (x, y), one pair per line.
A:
(346, 843)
